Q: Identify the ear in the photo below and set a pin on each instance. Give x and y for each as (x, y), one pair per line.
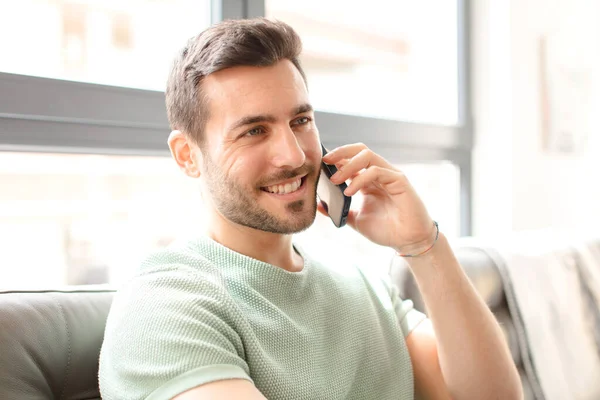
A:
(186, 153)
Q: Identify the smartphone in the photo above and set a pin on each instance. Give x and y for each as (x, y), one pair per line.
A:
(332, 196)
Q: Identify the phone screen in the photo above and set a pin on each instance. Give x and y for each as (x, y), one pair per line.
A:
(332, 196)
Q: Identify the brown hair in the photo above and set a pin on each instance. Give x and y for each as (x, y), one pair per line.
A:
(248, 42)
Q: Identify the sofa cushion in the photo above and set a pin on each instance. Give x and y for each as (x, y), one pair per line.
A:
(479, 267)
(50, 342)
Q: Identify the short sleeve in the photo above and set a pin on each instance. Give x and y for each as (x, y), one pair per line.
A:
(167, 332)
(408, 317)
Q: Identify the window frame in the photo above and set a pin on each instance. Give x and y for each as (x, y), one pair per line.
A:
(101, 119)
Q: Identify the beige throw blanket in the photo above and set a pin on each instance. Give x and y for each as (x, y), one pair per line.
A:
(552, 285)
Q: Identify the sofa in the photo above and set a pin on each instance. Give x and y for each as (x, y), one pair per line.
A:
(50, 342)
(484, 275)
(50, 339)
(543, 287)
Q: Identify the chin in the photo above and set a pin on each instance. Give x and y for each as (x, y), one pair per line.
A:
(287, 221)
(304, 219)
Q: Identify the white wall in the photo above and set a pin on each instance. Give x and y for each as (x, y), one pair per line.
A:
(517, 184)
(491, 97)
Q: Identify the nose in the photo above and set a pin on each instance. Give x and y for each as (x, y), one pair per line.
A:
(287, 151)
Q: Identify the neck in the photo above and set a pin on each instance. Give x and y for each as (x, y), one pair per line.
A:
(272, 248)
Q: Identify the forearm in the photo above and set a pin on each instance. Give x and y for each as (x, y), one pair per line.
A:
(473, 354)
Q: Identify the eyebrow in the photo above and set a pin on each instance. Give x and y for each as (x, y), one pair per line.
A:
(253, 119)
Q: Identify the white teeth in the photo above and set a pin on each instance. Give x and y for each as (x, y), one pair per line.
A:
(285, 189)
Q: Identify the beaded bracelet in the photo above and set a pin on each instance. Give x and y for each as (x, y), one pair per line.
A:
(437, 234)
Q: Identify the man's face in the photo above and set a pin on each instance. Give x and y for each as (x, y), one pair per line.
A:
(261, 153)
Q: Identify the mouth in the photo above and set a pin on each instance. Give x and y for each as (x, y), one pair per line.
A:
(287, 187)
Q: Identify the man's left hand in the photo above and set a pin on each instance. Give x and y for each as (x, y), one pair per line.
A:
(392, 213)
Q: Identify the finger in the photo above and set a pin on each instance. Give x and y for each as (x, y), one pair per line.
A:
(352, 166)
(363, 160)
(346, 151)
(342, 163)
(379, 175)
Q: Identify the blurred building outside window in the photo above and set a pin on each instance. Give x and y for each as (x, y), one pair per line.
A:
(85, 219)
(129, 43)
(385, 59)
(90, 219)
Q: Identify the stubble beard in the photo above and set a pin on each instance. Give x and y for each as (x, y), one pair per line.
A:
(236, 203)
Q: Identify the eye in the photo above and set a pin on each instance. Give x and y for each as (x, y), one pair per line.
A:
(302, 121)
(255, 131)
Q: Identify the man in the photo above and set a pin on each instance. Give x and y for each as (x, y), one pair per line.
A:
(242, 312)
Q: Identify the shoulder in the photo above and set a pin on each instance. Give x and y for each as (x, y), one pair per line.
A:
(183, 256)
(167, 283)
(173, 317)
(371, 277)
(179, 267)
(350, 274)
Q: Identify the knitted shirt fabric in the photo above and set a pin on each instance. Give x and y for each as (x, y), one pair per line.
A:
(198, 312)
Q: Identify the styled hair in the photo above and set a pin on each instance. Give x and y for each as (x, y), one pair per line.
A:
(256, 42)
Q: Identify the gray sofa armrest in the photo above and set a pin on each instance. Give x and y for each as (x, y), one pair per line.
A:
(50, 341)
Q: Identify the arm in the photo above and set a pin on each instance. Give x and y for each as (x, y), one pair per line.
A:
(422, 347)
(221, 390)
(170, 331)
(464, 355)
(474, 359)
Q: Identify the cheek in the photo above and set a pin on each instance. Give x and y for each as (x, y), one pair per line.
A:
(244, 171)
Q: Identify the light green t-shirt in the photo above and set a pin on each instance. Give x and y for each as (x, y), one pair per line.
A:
(199, 312)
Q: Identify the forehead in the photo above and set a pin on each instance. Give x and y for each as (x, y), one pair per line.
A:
(245, 90)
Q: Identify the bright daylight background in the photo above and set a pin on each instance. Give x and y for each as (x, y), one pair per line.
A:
(83, 219)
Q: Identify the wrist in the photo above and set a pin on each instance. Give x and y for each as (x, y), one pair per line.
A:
(431, 261)
(422, 247)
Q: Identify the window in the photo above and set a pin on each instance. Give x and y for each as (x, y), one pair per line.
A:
(438, 185)
(127, 43)
(90, 219)
(395, 60)
(85, 219)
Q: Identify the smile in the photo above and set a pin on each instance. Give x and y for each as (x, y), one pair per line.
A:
(285, 188)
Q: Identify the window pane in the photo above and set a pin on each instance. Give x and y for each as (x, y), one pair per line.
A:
(122, 43)
(88, 219)
(84, 219)
(438, 184)
(395, 60)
